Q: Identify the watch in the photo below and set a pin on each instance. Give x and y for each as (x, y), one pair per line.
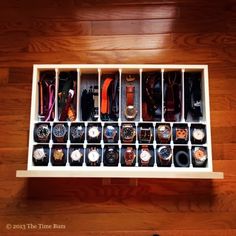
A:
(145, 155)
(198, 134)
(164, 133)
(93, 133)
(129, 156)
(130, 110)
(164, 154)
(111, 157)
(42, 133)
(76, 155)
(110, 134)
(58, 154)
(181, 134)
(145, 135)
(39, 154)
(182, 159)
(77, 133)
(199, 155)
(59, 132)
(93, 156)
(128, 133)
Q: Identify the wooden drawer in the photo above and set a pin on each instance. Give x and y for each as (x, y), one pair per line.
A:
(85, 76)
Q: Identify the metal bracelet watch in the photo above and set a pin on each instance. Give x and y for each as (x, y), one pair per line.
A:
(42, 133)
(59, 132)
(199, 155)
(109, 134)
(93, 156)
(145, 135)
(129, 156)
(145, 155)
(128, 133)
(164, 154)
(164, 133)
(111, 156)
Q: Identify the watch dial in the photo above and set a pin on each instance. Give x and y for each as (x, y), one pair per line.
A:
(128, 132)
(93, 132)
(42, 131)
(198, 134)
(111, 157)
(76, 155)
(93, 155)
(59, 130)
(164, 152)
(109, 131)
(76, 131)
(145, 155)
(145, 135)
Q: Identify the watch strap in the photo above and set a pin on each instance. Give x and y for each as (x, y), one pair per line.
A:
(130, 91)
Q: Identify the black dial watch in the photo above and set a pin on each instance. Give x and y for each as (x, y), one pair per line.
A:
(42, 133)
(111, 157)
(128, 133)
(77, 134)
(59, 132)
(145, 135)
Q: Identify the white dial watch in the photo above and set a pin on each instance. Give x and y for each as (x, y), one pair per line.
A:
(39, 154)
(93, 132)
(76, 155)
(198, 134)
(93, 156)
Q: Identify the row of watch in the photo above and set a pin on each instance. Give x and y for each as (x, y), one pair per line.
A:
(93, 133)
(165, 156)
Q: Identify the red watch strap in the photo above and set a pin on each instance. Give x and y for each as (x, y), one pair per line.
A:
(105, 102)
(130, 89)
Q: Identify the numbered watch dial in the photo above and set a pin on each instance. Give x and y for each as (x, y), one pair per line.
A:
(59, 130)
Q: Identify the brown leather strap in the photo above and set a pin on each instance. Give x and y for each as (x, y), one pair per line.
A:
(105, 101)
(130, 90)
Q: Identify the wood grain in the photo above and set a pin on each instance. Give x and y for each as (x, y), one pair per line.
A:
(118, 31)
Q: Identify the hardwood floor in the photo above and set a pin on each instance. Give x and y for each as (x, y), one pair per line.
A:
(119, 31)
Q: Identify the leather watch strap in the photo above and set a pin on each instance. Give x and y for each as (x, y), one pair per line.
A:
(130, 90)
(105, 100)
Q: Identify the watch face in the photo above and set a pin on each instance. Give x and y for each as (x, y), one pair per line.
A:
(76, 155)
(145, 135)
(93, 155)
(59, 130)
(164, 131)
(129, 155)
(181, 133)
(58, 154)
(76, 131)
(111, 156)
(128, 132)
(39, 154)
(199, 153)
(93, 132)
(130, 112)
(42, 131)
(110, 132)
(145, 155)
(198, 134)
(164, 152)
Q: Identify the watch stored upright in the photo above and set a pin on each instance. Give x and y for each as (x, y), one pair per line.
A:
(141, 121)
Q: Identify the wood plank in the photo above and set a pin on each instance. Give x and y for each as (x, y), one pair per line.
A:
(84, 43)
(162, 56)
(4, 76)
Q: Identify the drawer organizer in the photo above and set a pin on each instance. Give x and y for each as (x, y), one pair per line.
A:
(136, 121)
